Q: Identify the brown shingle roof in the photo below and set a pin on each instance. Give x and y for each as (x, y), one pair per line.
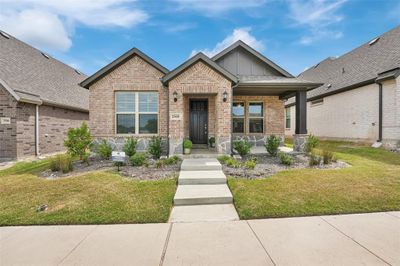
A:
(29, 73)
(362, 64)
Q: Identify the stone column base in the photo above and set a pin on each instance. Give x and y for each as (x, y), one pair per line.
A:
(223, 145)
(175, 146)
(299, 142)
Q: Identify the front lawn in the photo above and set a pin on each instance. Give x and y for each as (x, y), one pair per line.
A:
(371, 184)
(94, 198)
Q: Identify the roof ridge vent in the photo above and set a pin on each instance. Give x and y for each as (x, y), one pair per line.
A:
(45, 55)
(372, 42)
(5, 35)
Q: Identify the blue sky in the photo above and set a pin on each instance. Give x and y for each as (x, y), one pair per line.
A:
(295, 34)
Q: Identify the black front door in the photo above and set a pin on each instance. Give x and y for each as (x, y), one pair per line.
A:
(198, 120)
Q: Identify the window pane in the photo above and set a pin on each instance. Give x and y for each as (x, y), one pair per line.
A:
(238, 125)
(148, 102)
(256, 109)
(256, 125)
(148, 124)
(125, 124)
(238, 109)
(125, 102)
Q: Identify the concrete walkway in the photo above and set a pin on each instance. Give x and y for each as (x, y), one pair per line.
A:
(358, 239)
(202, 193)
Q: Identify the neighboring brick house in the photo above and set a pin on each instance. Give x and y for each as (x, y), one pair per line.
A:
(39, 100)
(360, 98)
(236, 94)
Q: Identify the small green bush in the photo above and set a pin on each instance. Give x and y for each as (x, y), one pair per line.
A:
(250, 163)
(223, 158)
(315, 159)
(187, 144)
(211, 141)
(311, 144)
(85, 158)
(285, 158)
(160, 163)
(327, 157)
(61, 162)
(104, 150)
(79, 141)
(138, 159)
(272, 145)
(242, 147)
(171, 160)
(130, 146)
(232, 162)
(155, 148)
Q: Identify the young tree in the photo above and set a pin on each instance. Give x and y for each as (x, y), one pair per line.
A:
(78, 141)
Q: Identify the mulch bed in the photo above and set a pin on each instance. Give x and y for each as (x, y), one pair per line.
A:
(151, 172)
(268, 165)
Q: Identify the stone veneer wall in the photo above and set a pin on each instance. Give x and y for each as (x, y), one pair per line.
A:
(8, 133)
(273, 119)
(202, 80)
(134, 75)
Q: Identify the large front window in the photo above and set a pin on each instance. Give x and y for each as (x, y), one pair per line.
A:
(256, 117)
(136, 112)
(238, 117)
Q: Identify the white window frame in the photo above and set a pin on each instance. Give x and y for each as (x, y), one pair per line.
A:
(136, 114)
(258, 117)
(241, 117)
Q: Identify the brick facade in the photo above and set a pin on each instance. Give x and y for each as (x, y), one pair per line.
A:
(199, 80)
(17, 140)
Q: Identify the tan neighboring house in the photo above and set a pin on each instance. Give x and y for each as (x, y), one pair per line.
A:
(237, 94)
(39, 100)
(360, 96)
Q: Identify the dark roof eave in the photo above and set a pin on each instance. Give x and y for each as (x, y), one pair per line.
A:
(119, 61)
(307, 86)
(200, 56)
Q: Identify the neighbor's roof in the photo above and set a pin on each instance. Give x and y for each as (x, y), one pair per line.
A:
(119, 61)
(360, 66)
(32, 76)
(254, 53)
(199, 57)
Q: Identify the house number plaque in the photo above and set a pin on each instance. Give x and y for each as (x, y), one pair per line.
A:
(5, 120)
(176, 116)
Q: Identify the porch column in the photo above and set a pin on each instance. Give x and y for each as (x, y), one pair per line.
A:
(300, 137)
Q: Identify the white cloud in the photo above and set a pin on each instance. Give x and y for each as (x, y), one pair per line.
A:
(318, 16)
(50, 24)
(179, 27)
(214, 7)
(242, 34)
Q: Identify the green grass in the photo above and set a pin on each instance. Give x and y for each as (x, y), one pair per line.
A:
(93, 198)
(371, 184)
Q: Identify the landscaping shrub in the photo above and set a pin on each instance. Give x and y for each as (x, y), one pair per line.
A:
(272, 145)
(61, 162)
(311, 144)
(315, 159)
(130, 146)
(187, 144)
(211, 141)
(155, 148)
(104, 150)
(232, 162)
(171, 160)
(78, 141)
(327, 157)
(242, 147)
(138, 159)
(250, 163)
(160, 163)
(285, 158)
(223, 158)
(85, 158)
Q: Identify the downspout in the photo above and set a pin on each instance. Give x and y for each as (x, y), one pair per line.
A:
(37, 151)
(380, 124)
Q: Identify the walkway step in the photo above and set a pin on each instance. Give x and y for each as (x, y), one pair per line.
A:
(201, 177)
(202, 164)
(202, 194)
(204, 213)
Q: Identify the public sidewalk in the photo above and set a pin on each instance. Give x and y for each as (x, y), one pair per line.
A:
(357, 239)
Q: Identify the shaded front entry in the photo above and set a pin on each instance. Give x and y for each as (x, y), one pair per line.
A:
(198, 121)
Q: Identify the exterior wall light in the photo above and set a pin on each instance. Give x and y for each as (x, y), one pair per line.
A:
(175, 94)
(225, 96)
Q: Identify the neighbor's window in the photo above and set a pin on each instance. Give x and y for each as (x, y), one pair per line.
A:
(136, 112)
(287, 117)
(238, 117)
(256, 117)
